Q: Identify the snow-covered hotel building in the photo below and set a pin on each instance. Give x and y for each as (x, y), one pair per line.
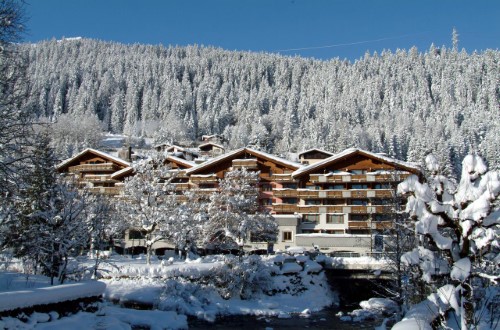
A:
(336, 202)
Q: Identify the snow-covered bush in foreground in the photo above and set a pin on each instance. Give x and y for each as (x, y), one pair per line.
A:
(460, 233)
(223, 285)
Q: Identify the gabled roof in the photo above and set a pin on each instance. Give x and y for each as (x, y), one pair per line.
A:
(211, 144)
(180, 161)
(353, 151)
(316, 150)
(129, 170)
(234, 154)
(172, 147)
(104, 155)
(121, 173)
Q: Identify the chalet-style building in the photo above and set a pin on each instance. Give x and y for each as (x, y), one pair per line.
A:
(347, 198)
(211, 149)
(93, 170)
(338, 202)
(313, 156)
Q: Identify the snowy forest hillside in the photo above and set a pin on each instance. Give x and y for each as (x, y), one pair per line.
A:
(405, 104)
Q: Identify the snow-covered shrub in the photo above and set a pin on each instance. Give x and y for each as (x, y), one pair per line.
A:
(458, 228)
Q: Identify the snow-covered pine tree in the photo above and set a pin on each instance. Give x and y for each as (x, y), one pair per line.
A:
(150, 200)
(234, 214)
(51, 224)
(458, 230)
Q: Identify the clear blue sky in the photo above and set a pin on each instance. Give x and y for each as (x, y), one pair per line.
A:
(322, 29)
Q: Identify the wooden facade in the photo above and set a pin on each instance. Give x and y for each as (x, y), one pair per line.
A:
(350, 193)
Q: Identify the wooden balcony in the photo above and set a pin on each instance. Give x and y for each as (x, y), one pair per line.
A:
(285, 193)
(358, 224)
(370, 225)
(113, 191)
(287, 177)
(97, 178)
(381, 225)
(181, 186)
(353, 193)
(285, 208)
(197, 179)
(356, 209)
(250, 163)
(105, 167)
(340, 178)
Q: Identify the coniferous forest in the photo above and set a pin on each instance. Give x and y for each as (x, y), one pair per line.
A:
(405, 104)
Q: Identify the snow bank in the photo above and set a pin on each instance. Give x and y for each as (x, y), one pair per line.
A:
(118, 318)
(50, 295)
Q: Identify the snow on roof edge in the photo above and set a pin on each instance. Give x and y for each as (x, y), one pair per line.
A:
(315, 149)
(351, 151)
(100, 153)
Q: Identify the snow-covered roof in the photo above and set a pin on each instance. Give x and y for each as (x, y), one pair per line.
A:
(96, 152)
(122, 172)
(237, 152)
(181, 161)
(351, 151)
(210, 144)
(316, 150)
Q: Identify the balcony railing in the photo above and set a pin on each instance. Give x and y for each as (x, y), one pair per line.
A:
(353, 193)
(337, 178)
(285, 208)
(104, 167)
(245, 163)
(106, 190)
(370, 224)
(358, 224)
(197, 179)
(359, 209)
(206, 191)
(181, 186)
(285, 193)
(287, 177)
(97, 178)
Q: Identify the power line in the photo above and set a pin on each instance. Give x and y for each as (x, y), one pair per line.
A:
(351, 43)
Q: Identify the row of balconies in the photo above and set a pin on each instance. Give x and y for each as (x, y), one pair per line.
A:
(360, 209)
(315, 194)
(370, 225)
(314, 178)
(104, 167)
(340, 178)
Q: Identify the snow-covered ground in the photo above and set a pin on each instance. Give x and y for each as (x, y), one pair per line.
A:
(174, 289)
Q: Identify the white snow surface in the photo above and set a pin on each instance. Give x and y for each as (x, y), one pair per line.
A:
(461, 269)
(172, 287)
(11, 300)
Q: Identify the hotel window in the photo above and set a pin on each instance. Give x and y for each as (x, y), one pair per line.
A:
(359, 186)
(358, 171)
(290, 186)
(382, 186)
(313, 187)
(266, 201)
(289, 200)
(313, 202)
(266, 187)
(310, 218)
(335, 187)
(287, 236)
(335, 218)
(360, 202)
(359, 217)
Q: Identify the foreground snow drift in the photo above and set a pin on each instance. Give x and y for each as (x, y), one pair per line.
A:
(49, 295)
